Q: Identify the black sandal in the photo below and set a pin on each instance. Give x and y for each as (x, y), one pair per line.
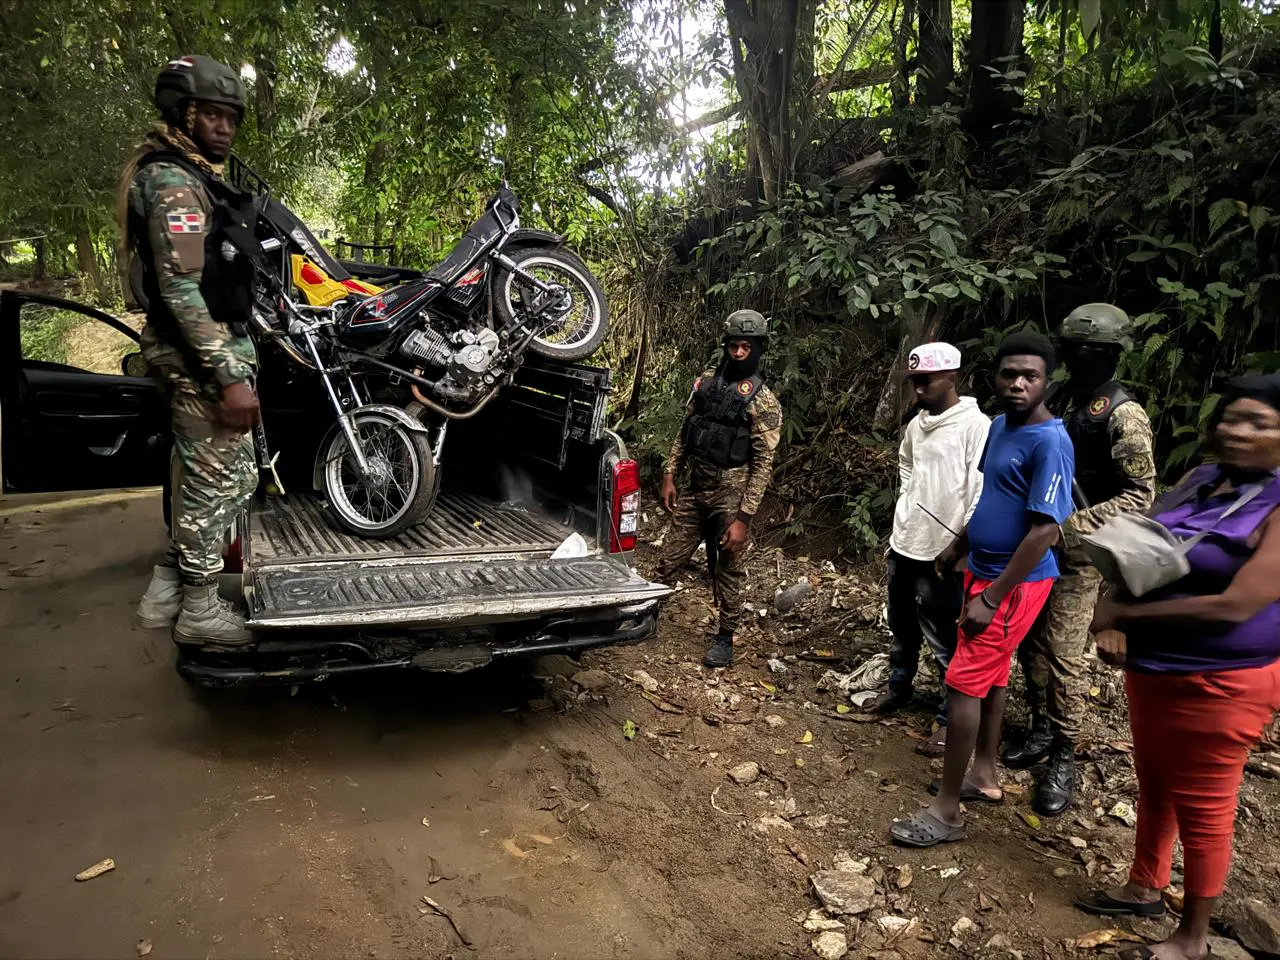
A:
(1100, 904)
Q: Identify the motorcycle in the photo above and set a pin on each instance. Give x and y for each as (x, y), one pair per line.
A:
(455, 336)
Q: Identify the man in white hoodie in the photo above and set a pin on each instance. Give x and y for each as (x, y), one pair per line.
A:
(938, 468)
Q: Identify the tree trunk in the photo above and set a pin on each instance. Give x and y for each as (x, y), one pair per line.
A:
(995, 44)
(1215, 31)
(901, 83)
(937, 52)
(87, 260)
(772, 46)
(264, 91)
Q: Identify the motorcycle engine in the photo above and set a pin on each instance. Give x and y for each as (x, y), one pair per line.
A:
(464, 356)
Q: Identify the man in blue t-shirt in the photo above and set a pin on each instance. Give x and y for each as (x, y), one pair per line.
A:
(1027, 470)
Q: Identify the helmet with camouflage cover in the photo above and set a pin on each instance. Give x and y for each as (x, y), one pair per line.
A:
(196, 78)
(747, 324)
(1098, 323)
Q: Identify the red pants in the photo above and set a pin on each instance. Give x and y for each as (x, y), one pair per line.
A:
(1191, 737)
(982, 661)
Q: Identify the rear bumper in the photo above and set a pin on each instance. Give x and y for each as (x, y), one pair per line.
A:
(320, 656)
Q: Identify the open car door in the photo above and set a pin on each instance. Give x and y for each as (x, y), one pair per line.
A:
(76, 411)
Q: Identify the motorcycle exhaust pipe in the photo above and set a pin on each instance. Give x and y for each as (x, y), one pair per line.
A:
(416, 381)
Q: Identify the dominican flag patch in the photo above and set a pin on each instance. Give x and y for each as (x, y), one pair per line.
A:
(185, 222)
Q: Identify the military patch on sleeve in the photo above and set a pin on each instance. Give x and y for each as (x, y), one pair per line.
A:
(1099, 406)
(185, 222)
(1138, 466)
(746, 387)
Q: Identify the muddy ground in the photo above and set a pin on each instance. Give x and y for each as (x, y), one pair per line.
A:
(312, 824)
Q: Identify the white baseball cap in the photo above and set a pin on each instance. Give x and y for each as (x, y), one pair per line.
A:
(933, 358)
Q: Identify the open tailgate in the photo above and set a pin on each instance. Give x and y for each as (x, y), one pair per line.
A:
(423, 579)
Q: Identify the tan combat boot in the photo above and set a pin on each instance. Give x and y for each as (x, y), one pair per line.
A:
(159, 606)
(208, 619)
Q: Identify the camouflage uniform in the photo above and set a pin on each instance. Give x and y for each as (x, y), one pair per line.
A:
(1053, 656)
(717, 497)
(218, 468)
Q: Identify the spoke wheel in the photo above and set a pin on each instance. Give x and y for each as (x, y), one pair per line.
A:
(396, 493)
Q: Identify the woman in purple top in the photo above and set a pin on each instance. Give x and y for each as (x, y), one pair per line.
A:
(1202, 662)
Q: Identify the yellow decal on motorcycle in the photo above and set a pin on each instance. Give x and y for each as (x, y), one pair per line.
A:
(318, 288)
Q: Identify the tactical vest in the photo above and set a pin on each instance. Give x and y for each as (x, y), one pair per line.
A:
(230, 250)
(719, 429)
(1088, 426)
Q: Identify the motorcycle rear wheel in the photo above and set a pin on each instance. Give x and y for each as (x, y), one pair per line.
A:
(584, 320)
(399, 493)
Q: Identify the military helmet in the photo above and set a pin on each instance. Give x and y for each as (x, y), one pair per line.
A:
(1098, 323)
(196, 78)
(742, 324)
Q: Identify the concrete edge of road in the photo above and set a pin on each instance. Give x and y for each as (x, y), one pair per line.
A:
(16, 504)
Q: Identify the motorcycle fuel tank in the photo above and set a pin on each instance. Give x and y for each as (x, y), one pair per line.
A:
(386, 312)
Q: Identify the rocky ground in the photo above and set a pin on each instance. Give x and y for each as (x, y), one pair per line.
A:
(633, 805)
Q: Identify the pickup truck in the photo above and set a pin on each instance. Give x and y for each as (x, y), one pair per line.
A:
(480, 578)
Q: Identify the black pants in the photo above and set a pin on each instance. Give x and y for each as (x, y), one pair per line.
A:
(922, 609)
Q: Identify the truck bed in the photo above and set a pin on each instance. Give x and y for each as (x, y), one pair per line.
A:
(297, 528)
(471, 560)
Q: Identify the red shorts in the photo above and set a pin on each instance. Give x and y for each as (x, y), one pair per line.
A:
(983, 661)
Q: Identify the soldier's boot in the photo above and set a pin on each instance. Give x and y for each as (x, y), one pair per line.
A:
(208, 619)
(1057, 788)
(1034, 748)
(160, 605)
(720, 653)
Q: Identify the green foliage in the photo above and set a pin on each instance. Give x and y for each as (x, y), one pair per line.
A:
(44, 334)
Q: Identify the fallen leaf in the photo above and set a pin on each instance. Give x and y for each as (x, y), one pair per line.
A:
(509, 845)
(629, 729)
(769, 687)
(1031, 819)
(541, 838)
(844, 708)
(97, 870)
(1017, 789)
(1095, 692)
(143, 948)
(799, 761)
(984, 902)
(807, 738)
(1175, 899)
(661, 704)
(905, 876)
(435, 874)
(780, 751)
(1120, 746)
(1100, 938)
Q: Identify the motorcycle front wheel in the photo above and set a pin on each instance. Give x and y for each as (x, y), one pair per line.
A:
(574, 322)
(396, 494)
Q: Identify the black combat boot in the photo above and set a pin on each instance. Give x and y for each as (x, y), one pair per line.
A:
(1057, 788)
(1034, 748)
(720, 653)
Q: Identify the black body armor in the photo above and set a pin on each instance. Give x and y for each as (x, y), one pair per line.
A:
(719, 429)
(1088, 426)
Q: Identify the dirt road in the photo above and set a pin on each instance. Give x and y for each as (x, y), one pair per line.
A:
(273, 824)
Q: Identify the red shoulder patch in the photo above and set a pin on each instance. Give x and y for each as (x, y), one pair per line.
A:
(1099, 406)
(746, 388)
(697, 382)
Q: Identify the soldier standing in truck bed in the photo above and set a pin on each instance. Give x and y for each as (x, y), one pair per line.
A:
(1111, 436)
(731, 427)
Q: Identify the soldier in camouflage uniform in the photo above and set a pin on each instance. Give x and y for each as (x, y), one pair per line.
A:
(1115, 470)
(731, 428)
(175, 208)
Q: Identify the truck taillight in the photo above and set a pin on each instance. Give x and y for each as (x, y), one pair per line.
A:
(232, 559)
(626, 506)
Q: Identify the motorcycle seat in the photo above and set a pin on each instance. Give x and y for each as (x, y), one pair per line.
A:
(462, 257)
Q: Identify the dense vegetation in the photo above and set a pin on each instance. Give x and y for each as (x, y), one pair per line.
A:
(867, 172)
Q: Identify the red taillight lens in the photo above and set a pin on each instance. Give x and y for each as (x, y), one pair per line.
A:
(626, 506)
(232, 560)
